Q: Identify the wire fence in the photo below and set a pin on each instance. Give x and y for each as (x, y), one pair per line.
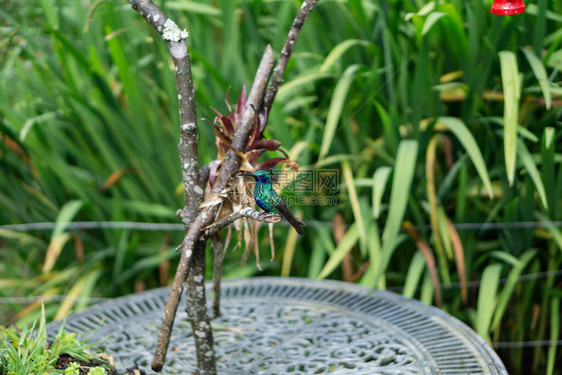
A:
(62, 297)
(132, 225)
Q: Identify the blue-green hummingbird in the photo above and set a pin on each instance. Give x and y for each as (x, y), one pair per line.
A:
(268, 199)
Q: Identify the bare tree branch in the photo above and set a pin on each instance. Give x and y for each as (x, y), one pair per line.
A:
(172, 304)
(196, 308)
(176, 41)
(279, 73)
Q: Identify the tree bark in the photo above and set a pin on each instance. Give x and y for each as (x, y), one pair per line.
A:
(198, 317)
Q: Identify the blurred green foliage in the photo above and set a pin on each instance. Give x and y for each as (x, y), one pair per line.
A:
(435, 113)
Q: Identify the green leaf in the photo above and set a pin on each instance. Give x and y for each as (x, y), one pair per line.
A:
(554, 334)
(404, 170)
(533, 171)
(430, 21)
(540, 73)
(150, 209)
(380, 177)
(459, 129)
(335, 110)
(509, 286)
(65, 216)
(291, 88)
(339, 51)
(194, 7)
(554, 231)
(487, 299)
(511, 95)
(375, 254)
(415, 271)
(346, 244)
(353, 198)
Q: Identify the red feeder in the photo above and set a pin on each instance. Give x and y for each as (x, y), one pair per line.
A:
(508, 7)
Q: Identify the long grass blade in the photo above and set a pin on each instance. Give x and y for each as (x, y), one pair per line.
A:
(458, 251)
(487, 299)
(355, 206)
(65, 216)
(290, 247)
(344, 247)
(533, 171)
(336, 106)
(459, 129)
(430, 21)
(509, 287)
(425, 250)
(404, 169)
(431, 192)
(413, 277)
(338, 51)
(511, 92)
(380, 178)
(540, 74)
(554, 334)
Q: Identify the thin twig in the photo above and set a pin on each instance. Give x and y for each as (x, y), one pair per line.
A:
(279, 73)
(264, 217)
(217, 272)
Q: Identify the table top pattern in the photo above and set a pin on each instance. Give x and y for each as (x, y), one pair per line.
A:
(294, 326)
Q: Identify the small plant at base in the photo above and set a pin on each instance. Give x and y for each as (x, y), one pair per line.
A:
(97, 371)
(27, 351)
(72, 369)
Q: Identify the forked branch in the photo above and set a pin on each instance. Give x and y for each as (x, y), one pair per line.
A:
(197, 221)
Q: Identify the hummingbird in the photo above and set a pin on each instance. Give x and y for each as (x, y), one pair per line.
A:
(268, 199)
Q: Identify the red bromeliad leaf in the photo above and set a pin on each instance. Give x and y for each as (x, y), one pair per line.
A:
(225, 121)
(228, 100)
(217, 112)
(268, 144)
(237, 114)
(270, 163)
(293, 164)
(228, 126)
(254, 155)
(225, 138)
(255, 135)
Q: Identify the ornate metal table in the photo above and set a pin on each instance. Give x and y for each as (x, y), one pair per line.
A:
(294, 326)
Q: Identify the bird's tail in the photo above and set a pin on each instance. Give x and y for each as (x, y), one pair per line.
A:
(296, 223)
